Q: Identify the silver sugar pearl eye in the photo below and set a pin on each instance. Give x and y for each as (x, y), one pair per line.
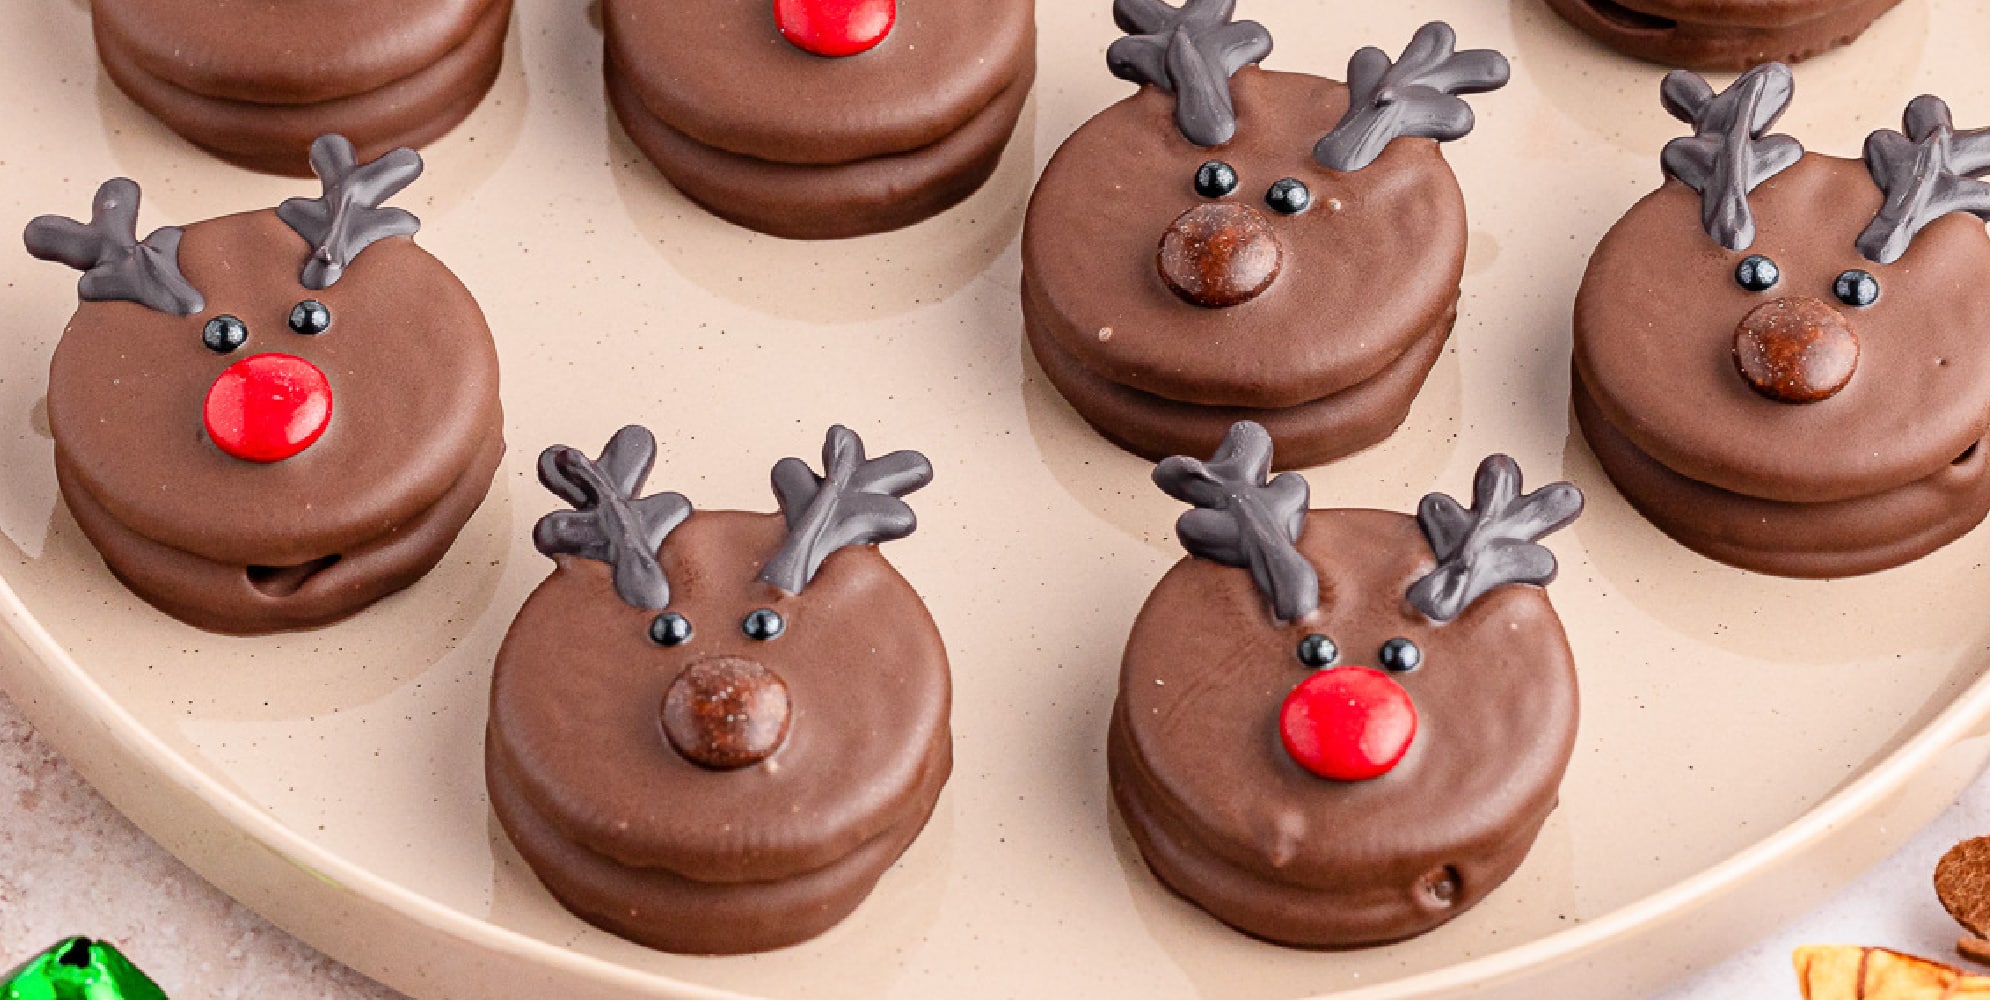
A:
(223, 334)
(310, 317)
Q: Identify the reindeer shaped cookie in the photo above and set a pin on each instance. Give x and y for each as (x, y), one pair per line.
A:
(1778, 354)
(1339, 728)
(712, 732)
(270, 420)
(1234, 243)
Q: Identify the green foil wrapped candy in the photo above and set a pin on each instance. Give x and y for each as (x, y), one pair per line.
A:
(79, 969)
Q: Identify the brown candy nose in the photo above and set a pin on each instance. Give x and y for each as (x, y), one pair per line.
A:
(726, 712)
(1796, 350)
(1220, 254)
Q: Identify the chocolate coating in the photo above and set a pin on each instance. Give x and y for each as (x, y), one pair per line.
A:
(229, 79)
(827, 201)
(1307, 434)
(1659, 297)
(1834, 538)
(126, 387)
(719, 73)
(1383, 266)
(1227, 818)
(234, 598)
(1796, 350)
(1722, 34)
(636, 838)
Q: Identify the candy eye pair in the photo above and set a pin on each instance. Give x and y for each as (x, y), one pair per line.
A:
(223, 334)
(1398, 655)
(1217, 179)
(672, 629)
(1855, 287)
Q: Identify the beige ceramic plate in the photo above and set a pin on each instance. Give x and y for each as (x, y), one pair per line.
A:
(1747, 743)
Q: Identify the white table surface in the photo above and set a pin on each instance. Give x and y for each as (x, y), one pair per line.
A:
(70, 864)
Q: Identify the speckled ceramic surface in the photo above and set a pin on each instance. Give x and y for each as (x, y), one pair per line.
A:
(1746, 742)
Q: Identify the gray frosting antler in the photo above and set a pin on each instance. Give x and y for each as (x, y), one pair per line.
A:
(1190, 52)
(1728, 154)
(1493, 543)
(1415, 95)
(348, 217)
(855, 503)
(1245, 519)
(1926, 174)
(116, 265)
(609, 523)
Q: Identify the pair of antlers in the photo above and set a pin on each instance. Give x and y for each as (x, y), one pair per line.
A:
(1244, 518)
(119, 267)
(1192, 52)
(1926, 173)
(856, 502)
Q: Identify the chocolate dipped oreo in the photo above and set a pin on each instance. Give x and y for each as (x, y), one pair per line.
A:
(267, 421)
(1339, 728)
(1232, 243)
(1722, 34)
(256, 83)
(712, 731)
(820, 119)
(1778, 354)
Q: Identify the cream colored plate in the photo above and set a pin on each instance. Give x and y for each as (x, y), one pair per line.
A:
(1747, 743)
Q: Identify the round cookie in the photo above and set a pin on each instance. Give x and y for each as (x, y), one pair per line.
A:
(1313, 433)
(1288, 260)
(374, 471)
(756, 127)
(1722, 34)
(1339, 728)
(229, 77)
(712, 732)
(1784, 371)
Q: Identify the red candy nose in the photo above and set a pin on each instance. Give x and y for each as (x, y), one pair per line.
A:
(835, 27)
(268, 407)
(1348, 723)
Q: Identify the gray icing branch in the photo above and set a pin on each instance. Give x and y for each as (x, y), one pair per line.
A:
(1190, 52)
(1245, 519)
(855, 502)
(609, 523)
(348, 217)
(1926, 174)
(1729, 152)
(1415, 95)
(1493, 543)
(116, 265)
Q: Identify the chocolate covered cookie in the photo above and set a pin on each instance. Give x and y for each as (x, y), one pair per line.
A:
(712, 731)
(1339, 728)
(268, 421)
(256, 83)
(1232, 243)
(1778, 354)
(1722, 34)
(818, 119)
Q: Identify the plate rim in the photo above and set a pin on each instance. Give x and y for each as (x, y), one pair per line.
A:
(1961, 719)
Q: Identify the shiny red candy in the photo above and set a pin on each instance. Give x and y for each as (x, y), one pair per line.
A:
(1348, 723)
(268, 407)
(835, 28)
